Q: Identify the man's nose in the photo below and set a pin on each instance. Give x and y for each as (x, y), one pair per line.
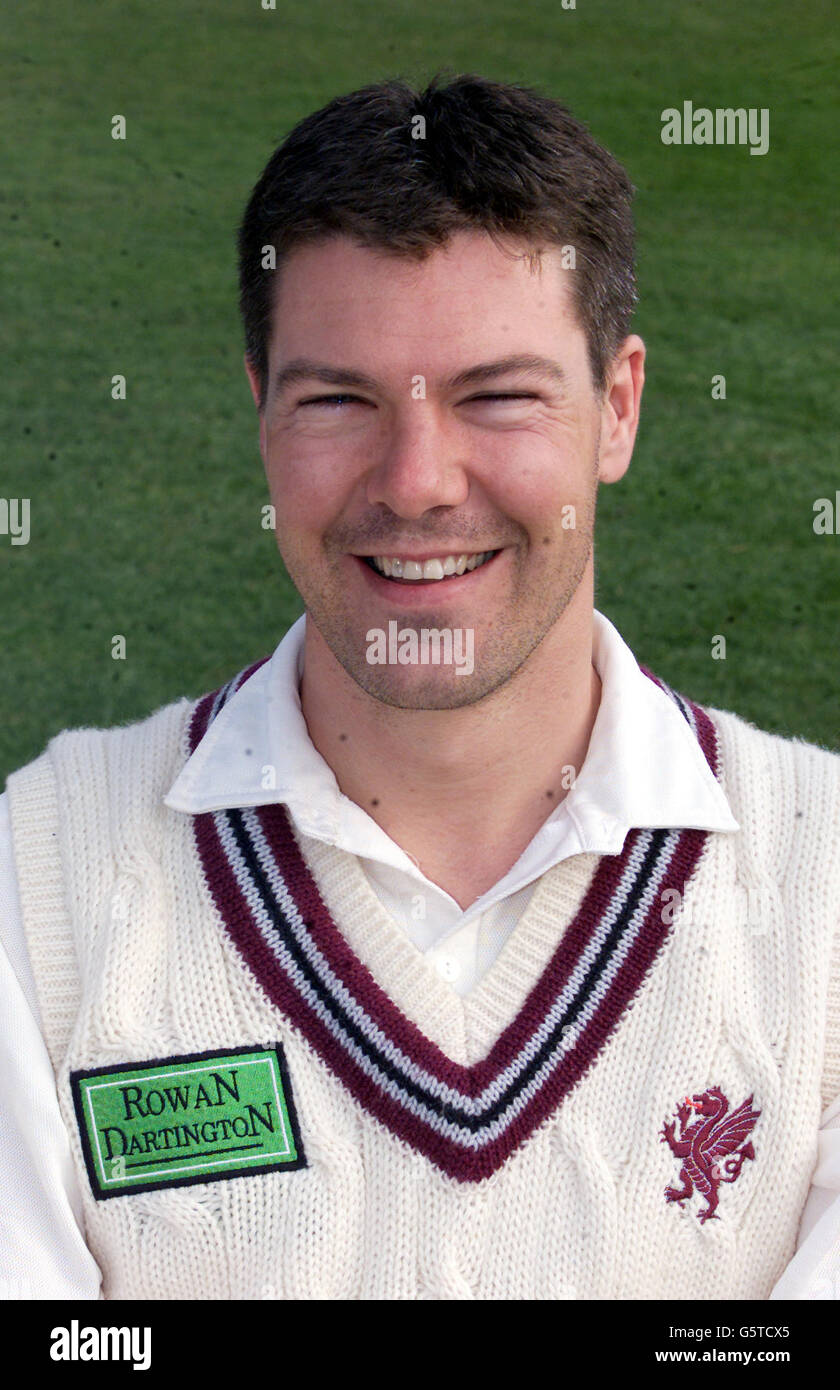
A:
(420, 464)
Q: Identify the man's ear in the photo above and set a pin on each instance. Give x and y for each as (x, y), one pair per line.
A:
(253, 379)
(620, 410)
(254, 383)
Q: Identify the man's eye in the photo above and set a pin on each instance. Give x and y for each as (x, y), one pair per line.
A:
(504, 396)
(328, 400)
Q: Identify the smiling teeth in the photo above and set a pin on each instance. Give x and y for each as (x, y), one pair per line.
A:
(438, 568)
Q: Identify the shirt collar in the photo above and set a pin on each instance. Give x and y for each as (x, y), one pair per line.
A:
(644, 766)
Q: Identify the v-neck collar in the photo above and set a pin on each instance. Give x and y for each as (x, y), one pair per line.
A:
(464, 1026)
(465, 1116)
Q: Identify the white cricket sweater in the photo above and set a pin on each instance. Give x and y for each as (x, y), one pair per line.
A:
(626, 1106)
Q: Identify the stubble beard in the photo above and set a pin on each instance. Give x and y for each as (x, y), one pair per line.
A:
(502, 647)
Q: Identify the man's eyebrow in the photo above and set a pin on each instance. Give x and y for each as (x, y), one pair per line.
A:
(529, 363)
(304, 369)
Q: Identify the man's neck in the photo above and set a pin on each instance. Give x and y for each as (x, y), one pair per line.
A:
(462, 791)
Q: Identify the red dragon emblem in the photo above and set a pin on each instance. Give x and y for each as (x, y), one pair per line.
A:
(712, 1146)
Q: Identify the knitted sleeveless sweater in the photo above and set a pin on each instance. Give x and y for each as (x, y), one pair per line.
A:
(626, 1106)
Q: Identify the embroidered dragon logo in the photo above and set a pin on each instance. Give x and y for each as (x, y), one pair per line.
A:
(712, 1146)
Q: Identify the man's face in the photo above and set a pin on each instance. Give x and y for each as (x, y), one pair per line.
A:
(405, 451)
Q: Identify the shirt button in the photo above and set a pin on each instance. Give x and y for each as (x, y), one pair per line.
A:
(448, 968)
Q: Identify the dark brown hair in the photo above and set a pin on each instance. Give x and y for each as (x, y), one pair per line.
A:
(497, 157)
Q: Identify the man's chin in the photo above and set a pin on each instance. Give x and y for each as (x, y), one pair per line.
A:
(412, 688)
(410, 665)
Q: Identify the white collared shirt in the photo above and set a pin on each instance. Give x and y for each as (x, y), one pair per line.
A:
(643, 768)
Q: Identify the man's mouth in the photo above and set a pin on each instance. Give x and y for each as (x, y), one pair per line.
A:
(435, 569)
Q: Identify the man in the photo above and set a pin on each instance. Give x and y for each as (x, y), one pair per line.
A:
(473, 964)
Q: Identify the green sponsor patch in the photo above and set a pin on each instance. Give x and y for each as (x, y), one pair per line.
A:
(182, 1120)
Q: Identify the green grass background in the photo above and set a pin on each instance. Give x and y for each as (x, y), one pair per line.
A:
(120, 259)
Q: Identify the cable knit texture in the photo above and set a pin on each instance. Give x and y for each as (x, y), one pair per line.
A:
(503, 1145)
